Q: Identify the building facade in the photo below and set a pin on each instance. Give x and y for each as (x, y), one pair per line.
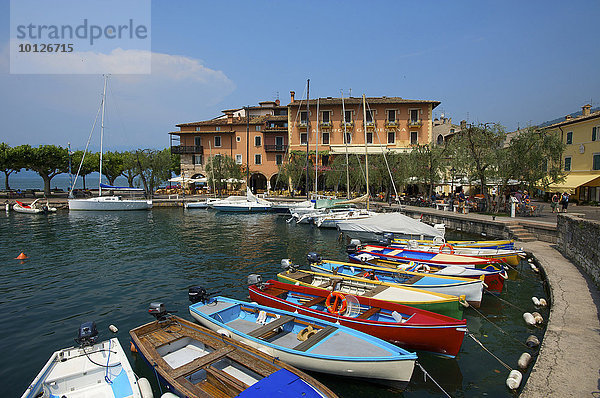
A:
(581, 160)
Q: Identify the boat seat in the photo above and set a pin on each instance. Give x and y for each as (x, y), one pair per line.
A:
(368, 313)
(314, 339)
(202, 361)
(314, 301)
(268, 328)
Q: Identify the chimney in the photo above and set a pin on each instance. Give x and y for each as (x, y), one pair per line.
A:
(292, 94)
(229, 117)
(463, 124)
(277, 102)
(585, 110)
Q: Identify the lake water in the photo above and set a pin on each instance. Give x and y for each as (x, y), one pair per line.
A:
(108, 267)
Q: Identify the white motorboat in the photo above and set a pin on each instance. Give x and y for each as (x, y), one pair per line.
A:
(201, 204)
(90, 370)
(33, 208)
(331, 220)
(375, 227)
(248, 203)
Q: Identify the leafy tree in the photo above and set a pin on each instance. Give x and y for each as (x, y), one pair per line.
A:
(91, 164)
(153, 167)
(9, 162)
(47, 160)
(295, 170)
(427, 164)
(130, 167)
(112, 166)
(221, 169)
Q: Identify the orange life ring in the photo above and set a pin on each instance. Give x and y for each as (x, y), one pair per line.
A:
(447, 245)
(332, 307)
(370, 275)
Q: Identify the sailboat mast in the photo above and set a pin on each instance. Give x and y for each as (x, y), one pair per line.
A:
(307, 132)
(102, 134)
(317, 148)
(346, 142)
(366, 148)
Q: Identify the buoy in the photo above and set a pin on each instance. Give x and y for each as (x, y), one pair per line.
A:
(524, 360)
(538, 318)
(536, 301)
(514, 379)
(132, 347)
(532, 341)
(529, 319)
(113, 328)
(21, 256)
(543, 302)
(145, 388)
(169, 395)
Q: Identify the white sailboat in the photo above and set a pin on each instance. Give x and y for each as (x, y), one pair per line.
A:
(112, 202)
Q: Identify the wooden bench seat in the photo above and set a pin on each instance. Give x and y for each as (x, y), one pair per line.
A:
(315, 338)
(368, 313)
(314, 301)
(268, 328)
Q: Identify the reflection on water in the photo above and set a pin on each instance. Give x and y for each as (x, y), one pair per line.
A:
(108, 267)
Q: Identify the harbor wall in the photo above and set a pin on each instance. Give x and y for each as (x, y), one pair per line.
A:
(578, 240)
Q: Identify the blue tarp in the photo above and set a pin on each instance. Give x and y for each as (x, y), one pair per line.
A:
(282, 383)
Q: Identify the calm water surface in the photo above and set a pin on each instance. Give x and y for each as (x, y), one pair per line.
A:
(108, 267)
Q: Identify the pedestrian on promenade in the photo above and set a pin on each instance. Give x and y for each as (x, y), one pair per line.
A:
(554, 203)
(564, 201)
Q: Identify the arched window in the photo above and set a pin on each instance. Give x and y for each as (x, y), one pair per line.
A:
(440, 139)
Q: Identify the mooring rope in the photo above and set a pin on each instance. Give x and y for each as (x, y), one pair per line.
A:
(498, 327)
(425, 374)
(489, 352)
(504, 301)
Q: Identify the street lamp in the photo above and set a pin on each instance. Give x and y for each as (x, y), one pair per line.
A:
(452, 170)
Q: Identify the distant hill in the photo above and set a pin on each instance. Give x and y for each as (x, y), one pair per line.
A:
(560, 119)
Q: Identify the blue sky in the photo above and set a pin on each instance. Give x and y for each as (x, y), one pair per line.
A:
(509, 62)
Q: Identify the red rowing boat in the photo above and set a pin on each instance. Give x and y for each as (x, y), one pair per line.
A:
(409, 327)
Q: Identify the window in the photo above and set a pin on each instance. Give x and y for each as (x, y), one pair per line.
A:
(414, 115)
(258, 128)
(391, 137)
(303, 118)
(369, 138)
(197, 159)
(348, 139)
(325, 117)
(258, 158)
(217, 141)
(217, 128)
(257, 140)
(198, 141)
(325, 140)
(303, 138)
(197, 128)
(391, 115)
(238, 159)
(569, 137)
(568, 163)
(278, 159)
(595, 131)
(414, 137)
(596, 162)
(348, 116)
(369, 114)
(238, 139)
(440, 139)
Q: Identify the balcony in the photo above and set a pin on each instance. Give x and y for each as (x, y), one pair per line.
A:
(348, 125)
(325, 124)
(181, 149)
(275, 148)
(415, 123)
(275, 129)
(303, 124)
(391, 123)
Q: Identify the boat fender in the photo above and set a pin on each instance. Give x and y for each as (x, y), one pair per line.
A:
(224, 332)
(524, 360)
(463, 302)
(536, 301)
(422, 268)
(397, 317)
(532, 341)
(514, 379)
(529, 319)
(169, 395)
(145, 388)
(262, 317)
(132, 348)
(529, 260)
(543, 302)
(538, 318)
(113, 328)
(305, 333)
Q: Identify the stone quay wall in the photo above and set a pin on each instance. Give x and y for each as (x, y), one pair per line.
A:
(579, 241)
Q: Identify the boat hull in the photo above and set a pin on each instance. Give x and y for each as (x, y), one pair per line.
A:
(241, 208)
(108, 204)
(444, 338)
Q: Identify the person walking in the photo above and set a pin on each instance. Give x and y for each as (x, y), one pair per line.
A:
(564, 201)
(554, 203)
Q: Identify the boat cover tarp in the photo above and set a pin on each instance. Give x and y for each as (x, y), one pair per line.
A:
(121, 188)
(360, 199)
(282, 383)
(389, 222)
(327, 203)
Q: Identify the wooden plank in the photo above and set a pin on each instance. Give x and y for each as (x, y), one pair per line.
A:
(202, 361)
(314, 301)
(268, 328)
(315, 338)
(273, 291)
(262, 368)
(368, 313)
(229, 383)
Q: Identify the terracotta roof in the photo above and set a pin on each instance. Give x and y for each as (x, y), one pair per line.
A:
(357, 101)
(572, 120)
(223, 122)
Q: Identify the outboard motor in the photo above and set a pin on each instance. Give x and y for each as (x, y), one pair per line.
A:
(287, 265)
(353, 247)
(198, 294)
(255, 279)
(87, 335)
(158, 311)
(314, 258)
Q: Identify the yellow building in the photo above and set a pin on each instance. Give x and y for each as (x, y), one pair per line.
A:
(581, 159)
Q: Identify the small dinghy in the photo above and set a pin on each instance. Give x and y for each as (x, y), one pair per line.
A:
(91, 370)
(409, 327)
(33, 208)
(471, 288)
(507, 244)
(306, 342)
(196, 362)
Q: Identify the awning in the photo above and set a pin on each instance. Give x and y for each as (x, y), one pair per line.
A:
(573, 181)
(188, 180)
